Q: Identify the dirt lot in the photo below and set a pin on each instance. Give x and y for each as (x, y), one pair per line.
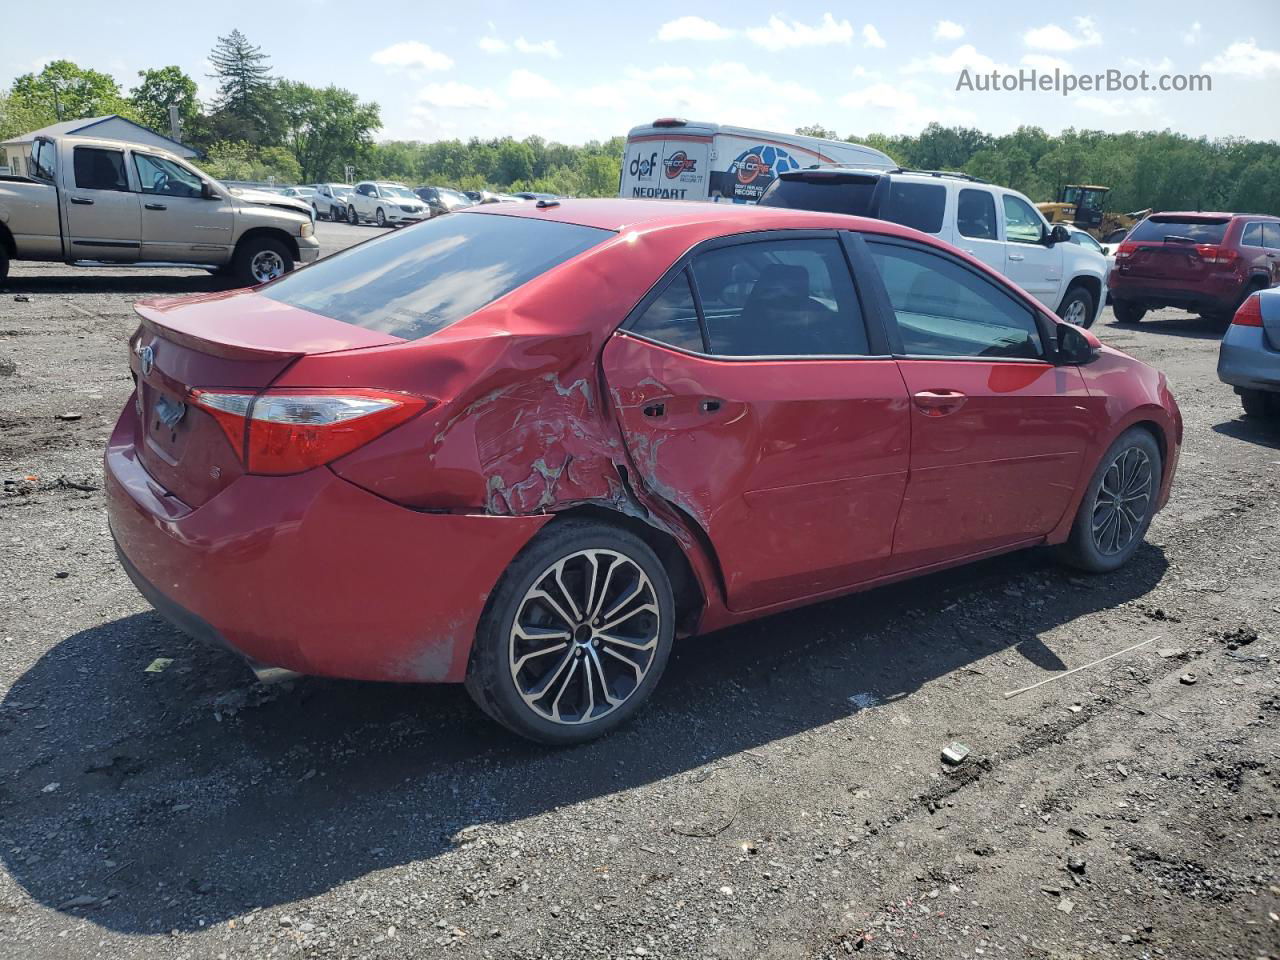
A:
(783, 796)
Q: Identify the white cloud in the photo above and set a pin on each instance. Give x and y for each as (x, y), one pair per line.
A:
(1046, 63)
(893, 109)
(778, 34)
(1163, 65)
(737, 78)
(664, 73)
(546, 48)
(1128, 107)
(412, 54)
(1053, 37)
(1244, 58)
(871, 37)
(527, 85)
(693, 28)
(491, 44)
(963, 57)
(459, 95)
(948, 30)
(1192, 36)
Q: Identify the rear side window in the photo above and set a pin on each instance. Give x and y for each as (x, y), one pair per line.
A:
(779, 298)
(944, 309)
(672, 318)
(917, 205)
(976, 214)
(1271, 235)
(414, 282)
(850, 195)
(1174, 230)
(99, 169)
(1252, 236)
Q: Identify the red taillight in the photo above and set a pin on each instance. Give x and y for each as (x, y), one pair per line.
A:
(295, 429)
(1250, 312)
(1212, 253)
(1125, 251)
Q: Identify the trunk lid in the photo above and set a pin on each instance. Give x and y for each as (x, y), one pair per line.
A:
(228, 340)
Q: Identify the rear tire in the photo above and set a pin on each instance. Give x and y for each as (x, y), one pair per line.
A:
(1077, 307)
(1118, 504)
(260, 259)
(1127, 311)
(1259, 403)
(557, 597)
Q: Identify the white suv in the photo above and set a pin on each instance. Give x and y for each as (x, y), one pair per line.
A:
(998, 226)
(386, 204)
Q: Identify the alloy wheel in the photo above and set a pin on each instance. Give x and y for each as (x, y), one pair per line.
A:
(266, 265)
(1075, 313)
(1123, 501)
(584, 636)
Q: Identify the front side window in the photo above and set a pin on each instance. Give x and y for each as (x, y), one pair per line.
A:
(1252, 236)
(672, 318)
(779, 298)
(976, 214)
(164, 177)
(944, 309)
(917, 205)
(412, 283)
(1021, 223)
(99, 169)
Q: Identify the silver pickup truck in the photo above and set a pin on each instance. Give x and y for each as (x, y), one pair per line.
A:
(107, 201)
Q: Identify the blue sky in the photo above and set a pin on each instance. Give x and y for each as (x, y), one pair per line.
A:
(575, 71)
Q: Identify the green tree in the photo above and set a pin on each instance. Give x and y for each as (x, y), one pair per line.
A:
(65, 91)
(515, 162)
(246, 106)
(325, 128)
(237, 160)
(160, 88)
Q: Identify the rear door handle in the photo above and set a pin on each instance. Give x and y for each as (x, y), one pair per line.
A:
(1016, 256)
(709, 405)
(939, 403)
(655, 410)
(155, 206)
(82, 200)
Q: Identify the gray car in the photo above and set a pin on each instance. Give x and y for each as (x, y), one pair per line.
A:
(1249, 358)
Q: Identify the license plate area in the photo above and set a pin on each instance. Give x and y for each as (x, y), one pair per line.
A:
(165, 421)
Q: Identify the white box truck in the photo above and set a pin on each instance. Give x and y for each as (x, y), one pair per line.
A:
(673, 159)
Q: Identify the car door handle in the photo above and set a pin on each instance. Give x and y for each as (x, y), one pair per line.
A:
(939, 403)
(155, 206)
(85, 201)
(709, 405)
(1016, 256)
(655, 410)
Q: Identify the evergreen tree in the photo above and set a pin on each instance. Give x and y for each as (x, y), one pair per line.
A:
(246, 106)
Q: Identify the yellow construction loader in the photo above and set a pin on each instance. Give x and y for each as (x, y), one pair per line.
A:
(1083, 206)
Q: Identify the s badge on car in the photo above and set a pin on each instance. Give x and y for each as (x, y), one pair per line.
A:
(146, 359)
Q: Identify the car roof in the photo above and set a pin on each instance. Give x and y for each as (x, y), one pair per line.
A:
(620, 214)
(1206, 215)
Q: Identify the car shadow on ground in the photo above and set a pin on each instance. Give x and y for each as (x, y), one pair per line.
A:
(1265, 433)
(151, 801)
(136, 284)
(1193, 327)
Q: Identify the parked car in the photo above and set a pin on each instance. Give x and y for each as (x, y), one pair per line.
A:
(877, 405)
(1249, 357)
(531, 195)
(1085, 239)
(998, 226)
(125, 203)
(1207, 263)
(386, 204)
(442, 200)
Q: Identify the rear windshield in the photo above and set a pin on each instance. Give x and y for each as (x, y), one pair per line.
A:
(1152, 230)
(416, 281)
(826, 195)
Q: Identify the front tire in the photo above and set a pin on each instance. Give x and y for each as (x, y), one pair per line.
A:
(1118, 504)
(1077, 307)
(1259, 403)
(1127, 311)
(575, 636)
(353, 218)
(380, 218)
(260, 259)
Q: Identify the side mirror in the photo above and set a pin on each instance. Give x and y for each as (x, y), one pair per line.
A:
(1059, 234)
(1076, 346)
(207, 191)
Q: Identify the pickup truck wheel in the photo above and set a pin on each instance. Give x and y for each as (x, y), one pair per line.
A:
(381, 218)
(1077, 307)
(353, 218)
(261, 259)
(1127, 311)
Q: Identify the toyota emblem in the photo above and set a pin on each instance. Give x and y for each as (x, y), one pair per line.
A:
(146, 359)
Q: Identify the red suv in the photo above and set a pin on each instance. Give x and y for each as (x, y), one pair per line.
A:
(1207, 263)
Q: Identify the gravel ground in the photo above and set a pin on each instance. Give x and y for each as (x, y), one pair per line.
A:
(783, 797)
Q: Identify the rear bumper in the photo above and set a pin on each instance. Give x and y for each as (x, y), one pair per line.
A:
(309, 572)
(1211, 295)
(1247, 360)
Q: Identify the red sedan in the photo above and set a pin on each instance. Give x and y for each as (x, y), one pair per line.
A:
(525, 447)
